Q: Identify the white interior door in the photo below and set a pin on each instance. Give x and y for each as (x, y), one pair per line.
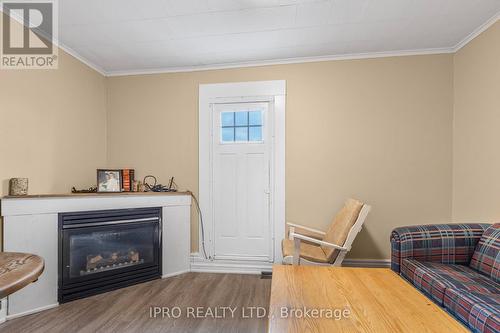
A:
(241, 170)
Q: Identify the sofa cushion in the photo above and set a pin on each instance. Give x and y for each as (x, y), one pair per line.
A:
(486, 257)
(478, 311)
(434, 278)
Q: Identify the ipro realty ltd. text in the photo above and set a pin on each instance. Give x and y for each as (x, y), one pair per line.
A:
(223, 312)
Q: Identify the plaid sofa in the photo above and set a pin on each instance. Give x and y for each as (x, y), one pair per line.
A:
(455, 265)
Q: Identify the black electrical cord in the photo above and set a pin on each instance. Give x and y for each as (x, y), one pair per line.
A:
(201, 223)
(155, 187)
(147, 185)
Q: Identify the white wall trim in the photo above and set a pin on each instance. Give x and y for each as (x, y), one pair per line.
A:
(81, 58)
(274, 91)
(25, 313)
(483, 27)
(202, 265)
(165, 276)
(285, 61)
(367, 263)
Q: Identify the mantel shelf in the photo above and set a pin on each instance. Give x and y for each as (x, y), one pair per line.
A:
(71, 195)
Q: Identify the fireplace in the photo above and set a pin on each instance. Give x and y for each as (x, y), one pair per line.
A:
(104, 250)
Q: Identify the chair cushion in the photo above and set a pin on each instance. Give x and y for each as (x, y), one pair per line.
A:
(486, 257)
(307, 251)
(478, 311)
(434, 278)
(340, 227)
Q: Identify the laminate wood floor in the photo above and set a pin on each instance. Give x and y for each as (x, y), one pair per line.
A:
(129, 309)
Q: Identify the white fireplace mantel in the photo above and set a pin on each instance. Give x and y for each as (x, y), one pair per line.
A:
(31, 225)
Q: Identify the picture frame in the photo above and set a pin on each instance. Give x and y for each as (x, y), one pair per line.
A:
(109, 180)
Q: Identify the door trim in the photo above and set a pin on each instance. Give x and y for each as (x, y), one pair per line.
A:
(273, 92)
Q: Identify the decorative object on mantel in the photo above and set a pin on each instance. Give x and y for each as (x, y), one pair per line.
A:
(137, 186)
(92, 189)
(128, 180)
(153, 186)
(109, 180)
(18, 186)
(17, 270)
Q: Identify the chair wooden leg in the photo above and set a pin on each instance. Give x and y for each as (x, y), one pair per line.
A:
(296, 251)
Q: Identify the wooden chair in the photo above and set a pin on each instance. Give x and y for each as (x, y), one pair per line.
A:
(315, 247)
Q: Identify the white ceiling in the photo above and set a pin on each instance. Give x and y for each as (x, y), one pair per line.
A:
(126, 36)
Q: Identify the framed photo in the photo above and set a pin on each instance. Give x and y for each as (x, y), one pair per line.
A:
(109, 180)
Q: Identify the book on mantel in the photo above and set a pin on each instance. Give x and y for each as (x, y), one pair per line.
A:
(128, 179)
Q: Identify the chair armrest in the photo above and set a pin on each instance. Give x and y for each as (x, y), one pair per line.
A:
(294, 235)
(444, 243)
(303, 230)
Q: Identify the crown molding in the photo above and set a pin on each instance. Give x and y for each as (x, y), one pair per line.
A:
(298, 60)
(82, 59)
(483, 27)
(286, 61)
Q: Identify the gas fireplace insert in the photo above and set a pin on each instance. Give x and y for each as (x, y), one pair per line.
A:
(104, 250)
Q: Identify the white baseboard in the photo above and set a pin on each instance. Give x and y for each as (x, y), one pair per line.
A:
(202, 265)
(368, 263)
(25, 313)
(175, 273)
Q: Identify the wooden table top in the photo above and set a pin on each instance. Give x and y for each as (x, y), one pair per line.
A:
(351, 300)
(17, 270)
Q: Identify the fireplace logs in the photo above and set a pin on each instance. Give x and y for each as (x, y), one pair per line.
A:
(112, 259)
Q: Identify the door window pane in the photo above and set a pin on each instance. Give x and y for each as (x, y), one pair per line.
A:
(227, 134)
(255, 118)
(241, 134)
(241, 118)
(241, 126)
(255, 133)
(227, 119)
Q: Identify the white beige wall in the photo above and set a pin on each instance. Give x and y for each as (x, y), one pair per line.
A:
(476, 161)
(52, 126)
(376, 129)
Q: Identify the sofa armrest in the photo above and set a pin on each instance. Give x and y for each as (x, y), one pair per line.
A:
(444, 243)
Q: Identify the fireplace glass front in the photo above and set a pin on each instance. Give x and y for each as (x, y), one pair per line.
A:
(101, 249)
(105, 250)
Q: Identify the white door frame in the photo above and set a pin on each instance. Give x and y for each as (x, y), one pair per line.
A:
(273, 92)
